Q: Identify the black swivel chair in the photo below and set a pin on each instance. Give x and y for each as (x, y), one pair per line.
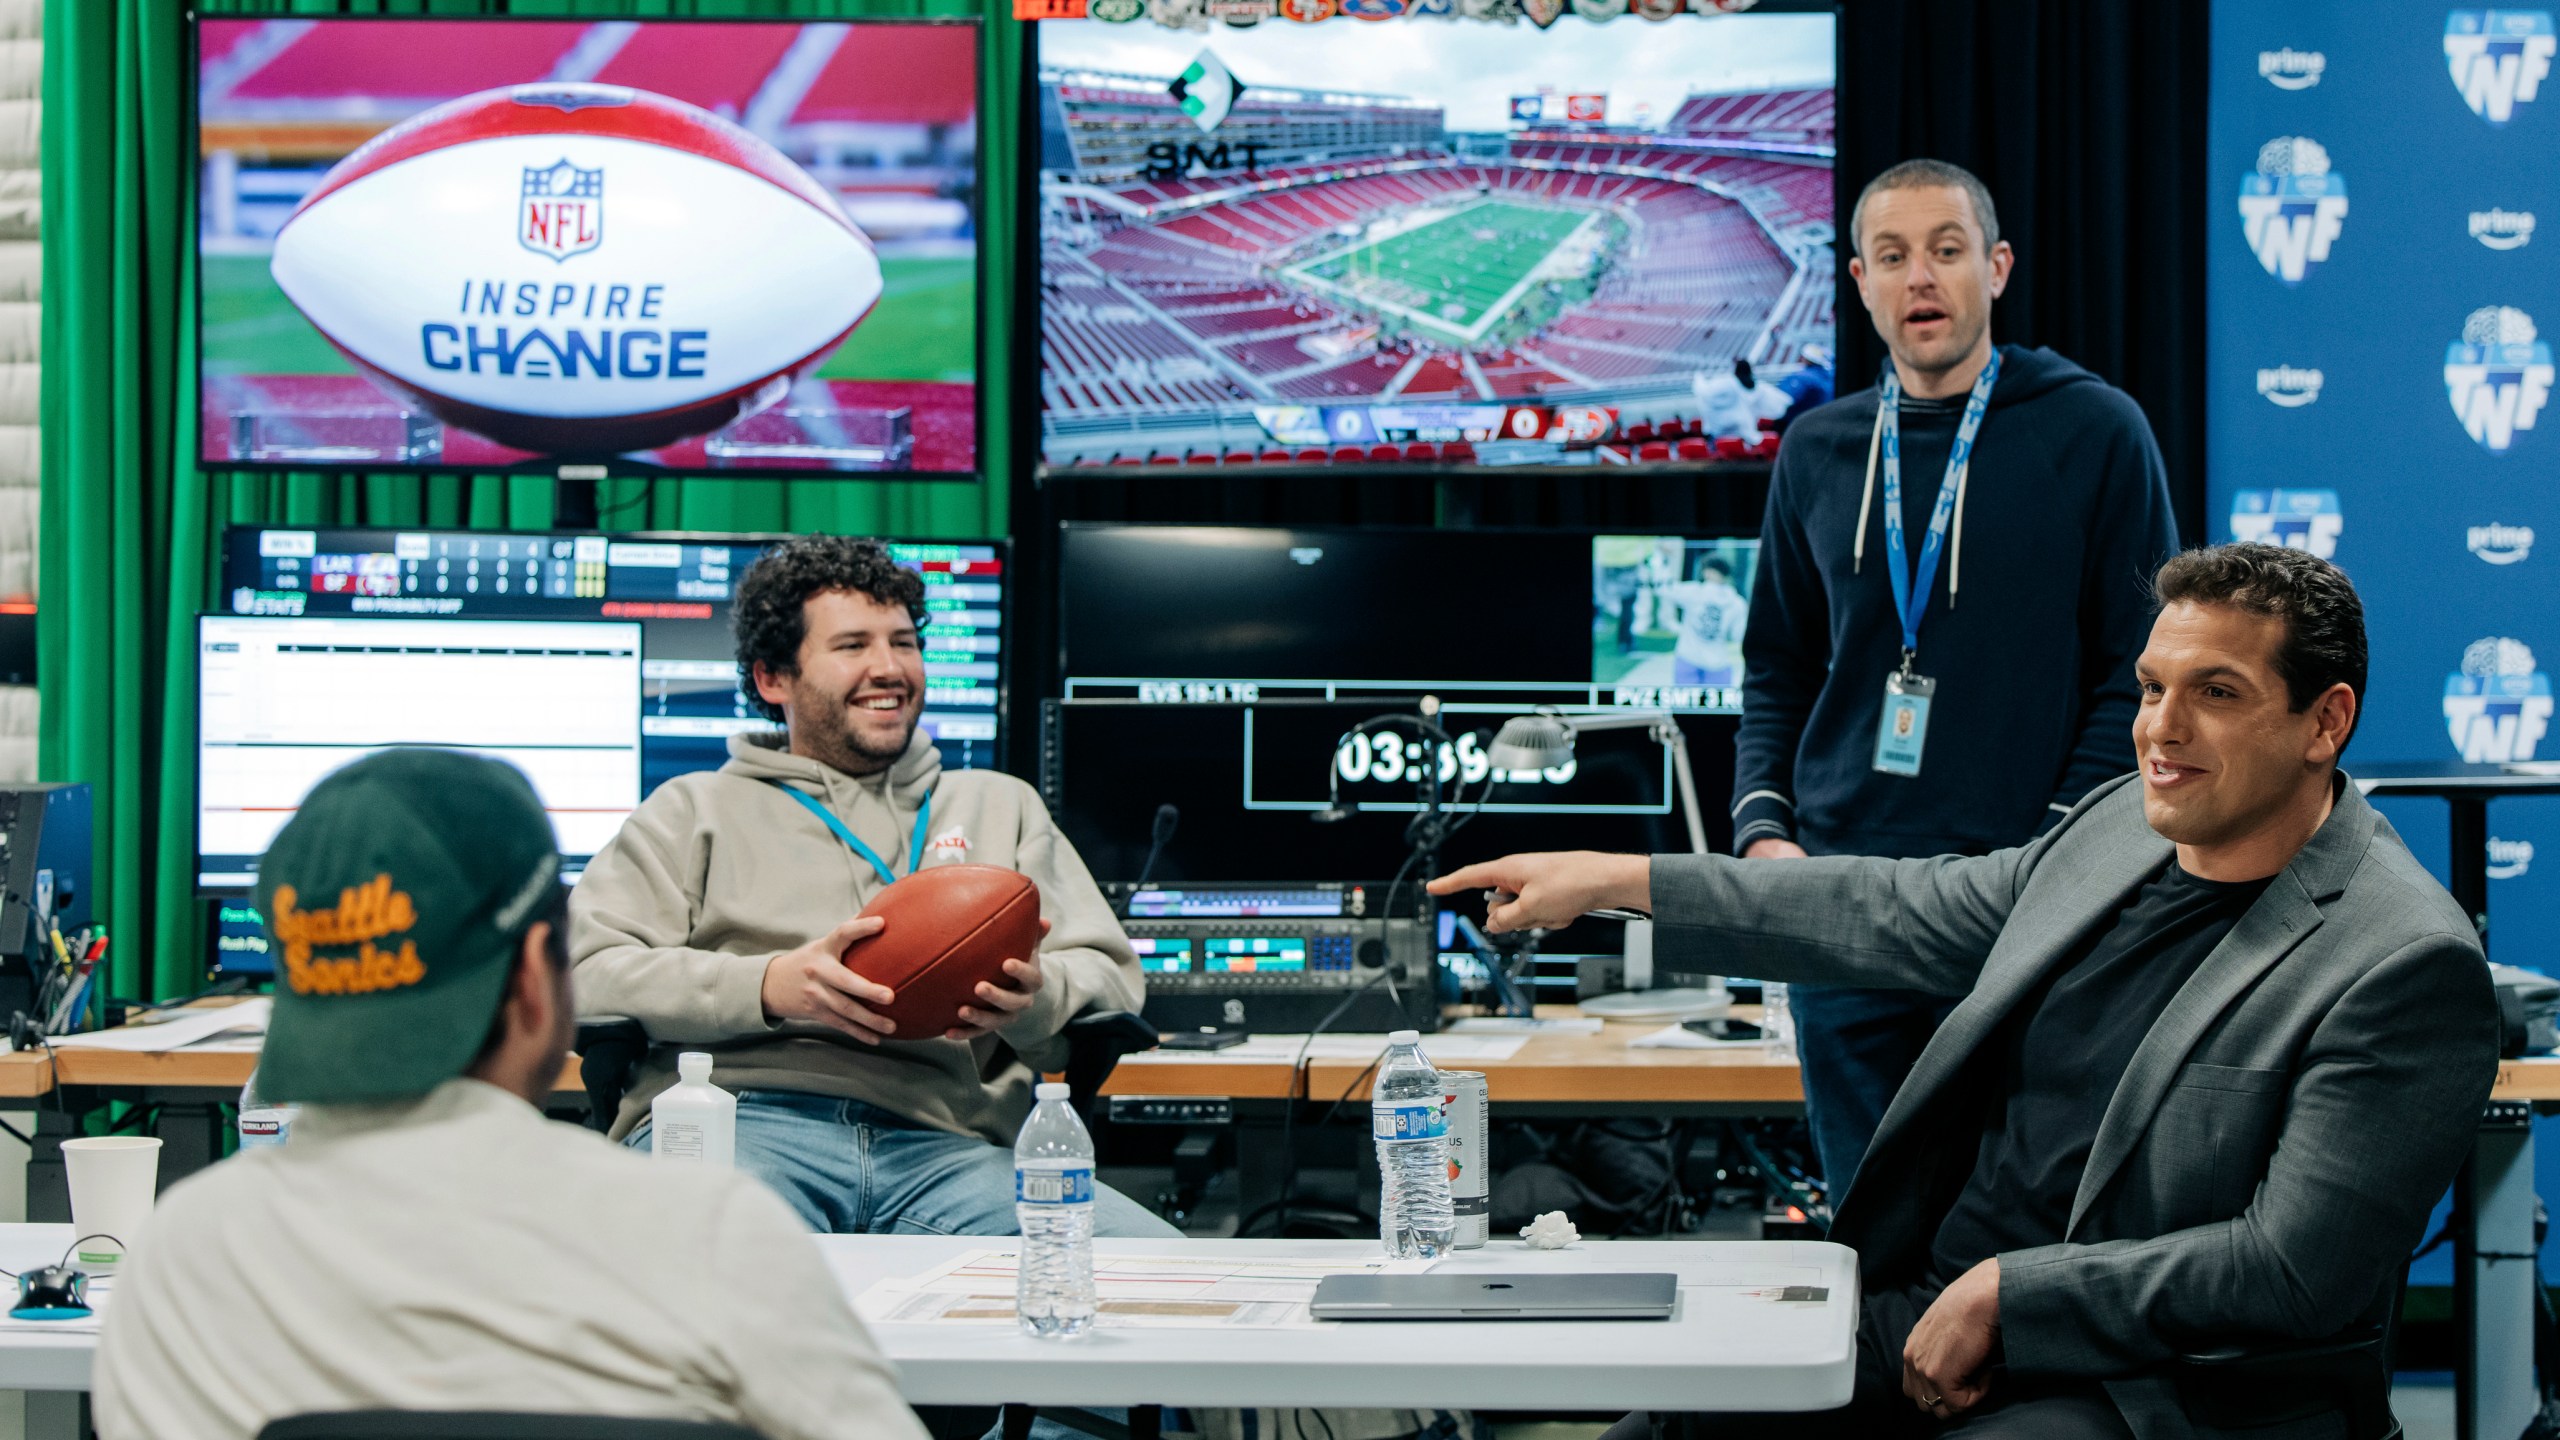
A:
(2237, 1387)
(491, 1425)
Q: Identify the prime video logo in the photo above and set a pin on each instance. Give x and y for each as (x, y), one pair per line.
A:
(2295, 519)
(2497, 706)
(2501, 544)
(2291, 388)
(2509, 859)
(2498, 375)
(2291, 69)
(2502, 229)
(2293, 207)
(2499, 58)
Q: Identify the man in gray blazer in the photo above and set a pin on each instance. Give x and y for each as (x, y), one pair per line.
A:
(2221, 1044)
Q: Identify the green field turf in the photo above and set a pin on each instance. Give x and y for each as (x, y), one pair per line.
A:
(925, 327)
(1453, 271)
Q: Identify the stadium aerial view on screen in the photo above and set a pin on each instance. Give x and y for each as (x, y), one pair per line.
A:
(657, 245)
(1435, 242)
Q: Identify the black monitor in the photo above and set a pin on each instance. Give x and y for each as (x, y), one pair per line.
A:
(1220, 668)
(465, 600)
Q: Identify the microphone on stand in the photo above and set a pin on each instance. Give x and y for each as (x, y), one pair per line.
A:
(1167, 817)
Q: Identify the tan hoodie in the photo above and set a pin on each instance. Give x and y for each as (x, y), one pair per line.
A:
(718, 872)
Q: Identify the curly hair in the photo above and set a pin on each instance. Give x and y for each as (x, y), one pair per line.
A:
(768, 617)
(2323, 643)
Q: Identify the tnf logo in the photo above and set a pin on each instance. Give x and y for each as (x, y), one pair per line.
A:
(2497, 707)
(2498, 375)
(2295, 519)
(2292, 207)
(2499, 58)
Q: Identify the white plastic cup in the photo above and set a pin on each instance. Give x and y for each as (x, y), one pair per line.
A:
(114, 1179)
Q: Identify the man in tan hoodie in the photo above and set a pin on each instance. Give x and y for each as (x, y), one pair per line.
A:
(718, 919)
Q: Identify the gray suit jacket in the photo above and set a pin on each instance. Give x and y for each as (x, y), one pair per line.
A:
(2277, 1142)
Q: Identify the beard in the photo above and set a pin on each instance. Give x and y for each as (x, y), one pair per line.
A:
(819, 729)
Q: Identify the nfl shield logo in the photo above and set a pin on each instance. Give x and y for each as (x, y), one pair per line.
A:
(562, 212)
(1542, 13)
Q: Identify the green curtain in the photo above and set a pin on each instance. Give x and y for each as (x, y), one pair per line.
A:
(130, 525)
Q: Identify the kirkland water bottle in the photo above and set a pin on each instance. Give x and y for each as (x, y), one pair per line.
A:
(1053, 1200)
(262, 1123)
(1777, 1021)
(694, 1119)
(1414, 1215)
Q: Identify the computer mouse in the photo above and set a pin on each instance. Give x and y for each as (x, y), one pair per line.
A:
(52, 1292)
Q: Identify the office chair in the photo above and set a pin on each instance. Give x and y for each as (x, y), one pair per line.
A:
(610, 1050)
(2240, 1386)
(492, 1425)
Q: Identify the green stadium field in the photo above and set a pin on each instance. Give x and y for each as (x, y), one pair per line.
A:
(924, 328)
(1458, 274)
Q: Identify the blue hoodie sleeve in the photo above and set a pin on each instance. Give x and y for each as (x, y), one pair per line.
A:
(2134, 533)
(1786, 653)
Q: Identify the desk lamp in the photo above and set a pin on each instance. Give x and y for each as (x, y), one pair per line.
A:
(1543, 740)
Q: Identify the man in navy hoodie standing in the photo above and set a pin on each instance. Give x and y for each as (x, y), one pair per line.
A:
(1950, 596)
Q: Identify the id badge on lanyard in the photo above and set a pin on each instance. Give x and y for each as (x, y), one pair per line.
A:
(1902, 724)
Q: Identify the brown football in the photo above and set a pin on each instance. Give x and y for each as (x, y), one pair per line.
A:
(949, 927)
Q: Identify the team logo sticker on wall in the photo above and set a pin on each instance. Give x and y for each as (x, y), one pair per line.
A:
(2499, 58)
(2498, 375)
(2497, 706)
(2293, 207)
(2295, 519)
(2291, 69)
(2500, 544)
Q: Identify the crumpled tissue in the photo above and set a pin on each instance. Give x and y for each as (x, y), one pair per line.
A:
(1551, 1231)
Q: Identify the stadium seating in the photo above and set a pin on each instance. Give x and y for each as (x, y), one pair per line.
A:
(1695, 448)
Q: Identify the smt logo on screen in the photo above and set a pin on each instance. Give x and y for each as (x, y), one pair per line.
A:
(2293, 207)
(2499, 58)
(2295, 519)
(2498, 375)
(2497, 706)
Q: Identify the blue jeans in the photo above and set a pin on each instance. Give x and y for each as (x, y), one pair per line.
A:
(856, 1169)
(1857, 1046)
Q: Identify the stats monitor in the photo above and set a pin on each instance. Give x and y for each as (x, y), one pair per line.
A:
(671, 590)
(636, 246)
(1228, 671)
(1407, 240)
(283, 701)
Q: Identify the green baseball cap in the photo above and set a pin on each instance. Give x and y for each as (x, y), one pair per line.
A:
(396, 898)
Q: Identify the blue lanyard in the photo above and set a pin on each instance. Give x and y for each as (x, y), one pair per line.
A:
(1911, 592)
(853, 842)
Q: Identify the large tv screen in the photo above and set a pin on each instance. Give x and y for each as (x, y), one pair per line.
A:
(1432, 240)
(627, 246)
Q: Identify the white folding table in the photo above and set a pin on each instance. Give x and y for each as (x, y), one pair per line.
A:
(1722, 1349)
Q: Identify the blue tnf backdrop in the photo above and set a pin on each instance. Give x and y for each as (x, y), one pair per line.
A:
(2383, 299)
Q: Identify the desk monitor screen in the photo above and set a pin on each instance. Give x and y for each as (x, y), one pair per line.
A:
(1159, 955)
(281, 702)
(677, 586)
(1256, 955)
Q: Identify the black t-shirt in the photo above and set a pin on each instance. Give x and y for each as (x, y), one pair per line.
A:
(2062, 1053)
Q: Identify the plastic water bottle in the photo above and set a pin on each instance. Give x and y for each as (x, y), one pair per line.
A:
(260, 1122)
(1415, 1219)
(1053, 1200)
(1777, 1021)
(693, 1119)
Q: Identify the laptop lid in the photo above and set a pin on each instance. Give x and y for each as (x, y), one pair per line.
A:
(1475, 1296)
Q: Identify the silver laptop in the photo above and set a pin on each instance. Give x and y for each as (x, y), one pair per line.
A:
(1475, 1296)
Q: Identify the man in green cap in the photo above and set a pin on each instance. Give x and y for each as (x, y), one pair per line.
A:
(429, 1241)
